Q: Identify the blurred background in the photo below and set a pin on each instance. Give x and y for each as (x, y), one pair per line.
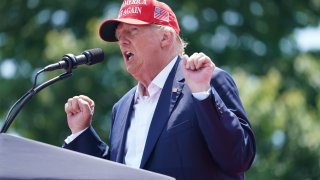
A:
(271, 48)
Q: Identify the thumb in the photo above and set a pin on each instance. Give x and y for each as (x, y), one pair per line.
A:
(185, 58)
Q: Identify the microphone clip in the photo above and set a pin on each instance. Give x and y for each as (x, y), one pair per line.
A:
(71, 62)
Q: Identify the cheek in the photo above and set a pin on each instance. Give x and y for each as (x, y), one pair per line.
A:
(149, 47)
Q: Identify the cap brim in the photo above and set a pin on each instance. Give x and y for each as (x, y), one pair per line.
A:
(108, 28)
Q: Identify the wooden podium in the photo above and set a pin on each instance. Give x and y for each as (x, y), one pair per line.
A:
(22, 158)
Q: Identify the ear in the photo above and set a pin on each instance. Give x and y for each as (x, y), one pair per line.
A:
(166, 39)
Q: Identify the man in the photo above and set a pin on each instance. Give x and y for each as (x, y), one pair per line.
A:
(183, 119)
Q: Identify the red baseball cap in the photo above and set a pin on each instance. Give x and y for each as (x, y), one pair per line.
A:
(139, 12)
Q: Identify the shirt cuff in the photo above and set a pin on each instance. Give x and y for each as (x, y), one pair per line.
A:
(201, 95)
(70, 138)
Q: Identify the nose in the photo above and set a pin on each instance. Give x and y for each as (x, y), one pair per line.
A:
(123, 40)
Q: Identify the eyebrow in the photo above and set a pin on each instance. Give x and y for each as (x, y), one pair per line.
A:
(129, 28)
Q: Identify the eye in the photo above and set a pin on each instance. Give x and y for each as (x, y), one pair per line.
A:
(128, 32)
(134, 31)
(117, 34)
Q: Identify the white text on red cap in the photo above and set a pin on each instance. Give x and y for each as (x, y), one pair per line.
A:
(129, 2)
(131, 10)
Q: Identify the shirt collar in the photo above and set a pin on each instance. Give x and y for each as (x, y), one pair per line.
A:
(158, 82)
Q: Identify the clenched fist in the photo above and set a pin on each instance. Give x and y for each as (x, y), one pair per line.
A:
(198, 70)
(79, 111)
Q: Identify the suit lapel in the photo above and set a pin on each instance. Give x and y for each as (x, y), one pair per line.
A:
(167, 101)
(124, 119)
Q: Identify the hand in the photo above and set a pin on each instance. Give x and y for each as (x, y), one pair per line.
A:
(198, 70)
(79, 111)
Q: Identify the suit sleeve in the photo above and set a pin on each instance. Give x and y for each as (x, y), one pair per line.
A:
(89, 143)
(225, 126)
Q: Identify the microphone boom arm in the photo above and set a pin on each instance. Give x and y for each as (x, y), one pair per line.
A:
(26, 98)
(68, 62)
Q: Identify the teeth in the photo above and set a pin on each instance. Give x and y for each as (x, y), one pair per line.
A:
(128, 55)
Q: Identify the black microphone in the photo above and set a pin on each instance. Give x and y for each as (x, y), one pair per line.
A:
(70, 61)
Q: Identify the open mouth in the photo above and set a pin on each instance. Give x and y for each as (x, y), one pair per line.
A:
(128, 55)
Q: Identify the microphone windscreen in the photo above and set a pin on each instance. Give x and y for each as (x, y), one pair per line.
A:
(94, 56)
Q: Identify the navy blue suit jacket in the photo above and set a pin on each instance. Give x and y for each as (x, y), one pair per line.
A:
(188, 138)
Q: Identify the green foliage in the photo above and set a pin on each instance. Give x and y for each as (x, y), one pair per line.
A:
(253, 40)
(285, 123)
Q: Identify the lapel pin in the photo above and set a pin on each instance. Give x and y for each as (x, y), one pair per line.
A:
(174, 90)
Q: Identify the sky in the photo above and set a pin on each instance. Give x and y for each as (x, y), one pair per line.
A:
(308, 38)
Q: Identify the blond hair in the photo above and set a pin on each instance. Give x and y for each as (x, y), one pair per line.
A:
(180, 44)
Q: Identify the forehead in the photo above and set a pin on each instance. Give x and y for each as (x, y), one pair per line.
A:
(131, 27)
(124, 26)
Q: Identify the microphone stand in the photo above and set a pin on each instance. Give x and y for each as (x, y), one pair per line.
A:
(16, 108)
